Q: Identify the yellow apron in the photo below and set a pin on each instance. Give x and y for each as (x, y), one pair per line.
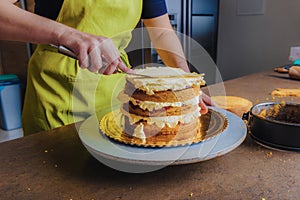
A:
(59, 92)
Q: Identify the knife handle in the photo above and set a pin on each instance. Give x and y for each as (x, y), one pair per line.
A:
(67, 52)
(64, 50)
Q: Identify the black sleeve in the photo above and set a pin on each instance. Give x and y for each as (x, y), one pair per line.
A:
(153, 8)
(51, 8)
(48, 8)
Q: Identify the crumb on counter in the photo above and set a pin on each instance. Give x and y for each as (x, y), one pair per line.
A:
(269, 154)
(286, 92)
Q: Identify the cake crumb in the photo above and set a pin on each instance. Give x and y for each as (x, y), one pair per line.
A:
(269, 154)
(286, 92)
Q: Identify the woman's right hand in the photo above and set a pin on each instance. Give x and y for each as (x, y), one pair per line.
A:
(95, 53)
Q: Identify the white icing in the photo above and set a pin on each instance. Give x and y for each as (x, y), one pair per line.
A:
(139, 132)
(182, 79)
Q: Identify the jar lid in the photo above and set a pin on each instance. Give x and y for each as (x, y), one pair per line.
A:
(6, 79)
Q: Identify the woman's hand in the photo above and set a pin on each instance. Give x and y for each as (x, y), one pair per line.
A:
(205, 101)
(95, 53)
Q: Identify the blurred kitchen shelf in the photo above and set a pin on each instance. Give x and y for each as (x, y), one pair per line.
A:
(10, 135)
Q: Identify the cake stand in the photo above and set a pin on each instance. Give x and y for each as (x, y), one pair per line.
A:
(136, 159)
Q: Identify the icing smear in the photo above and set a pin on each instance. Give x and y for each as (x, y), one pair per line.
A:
(139, 132)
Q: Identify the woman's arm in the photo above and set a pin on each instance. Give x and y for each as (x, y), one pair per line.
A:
(17, 24)
(166, 41)
(169, 48)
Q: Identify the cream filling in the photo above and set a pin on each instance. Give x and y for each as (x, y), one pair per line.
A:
(139, 132)
(170, 121)
(152, 85)
(151, 105)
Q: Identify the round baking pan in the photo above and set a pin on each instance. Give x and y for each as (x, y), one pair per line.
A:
(275, 125)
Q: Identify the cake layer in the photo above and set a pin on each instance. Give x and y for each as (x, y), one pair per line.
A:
(164, 78)
(237, 105)
(165, 111)
(148, 132)
(151, 105)
(163, 96)
(162, 121)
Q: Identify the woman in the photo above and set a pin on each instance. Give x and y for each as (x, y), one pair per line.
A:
(97, 32)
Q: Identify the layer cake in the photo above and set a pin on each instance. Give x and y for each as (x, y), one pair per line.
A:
(164, 107)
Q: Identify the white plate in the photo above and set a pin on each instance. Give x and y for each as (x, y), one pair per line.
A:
(141, 159)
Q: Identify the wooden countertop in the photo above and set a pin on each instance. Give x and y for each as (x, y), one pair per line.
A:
(55, 164)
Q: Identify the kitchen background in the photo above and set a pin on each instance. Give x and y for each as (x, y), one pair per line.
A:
(241, 36)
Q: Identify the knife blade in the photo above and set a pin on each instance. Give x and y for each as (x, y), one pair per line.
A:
(166, 76)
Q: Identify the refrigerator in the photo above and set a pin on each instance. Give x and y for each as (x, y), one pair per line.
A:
(196, 24)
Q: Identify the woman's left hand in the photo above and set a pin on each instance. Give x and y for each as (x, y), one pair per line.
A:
(205, 101)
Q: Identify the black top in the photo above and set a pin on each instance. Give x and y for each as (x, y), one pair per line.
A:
(51, 8)
(153, 8)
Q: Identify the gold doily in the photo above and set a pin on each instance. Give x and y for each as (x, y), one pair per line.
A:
(112, 125)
